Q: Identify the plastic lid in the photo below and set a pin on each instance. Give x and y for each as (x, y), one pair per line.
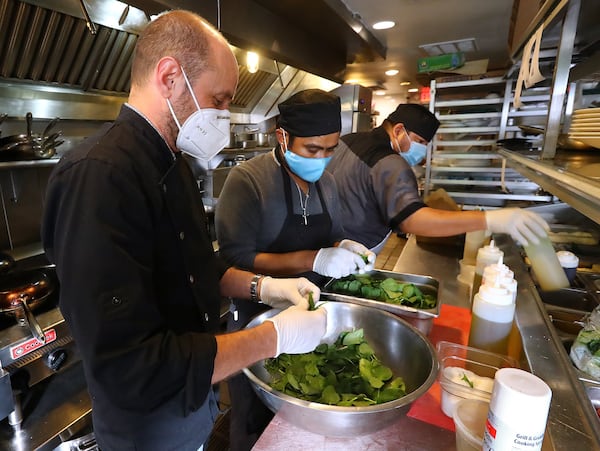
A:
(520, 398)
(567, 259)
(488, 255)
(496, 270)
(495, 294)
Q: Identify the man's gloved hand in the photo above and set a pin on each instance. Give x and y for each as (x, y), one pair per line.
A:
(281, 293)
(299, 330)
(361, 250)
(524, 226)
(337, 262)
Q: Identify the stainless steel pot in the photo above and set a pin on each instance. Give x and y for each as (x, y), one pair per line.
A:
(263, 139)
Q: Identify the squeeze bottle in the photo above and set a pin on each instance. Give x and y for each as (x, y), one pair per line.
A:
(473, 241)
(493, 313)
(506, 278)
(544, 262)
(486, 255)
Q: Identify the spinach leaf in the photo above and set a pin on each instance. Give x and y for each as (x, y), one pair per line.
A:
(346, 373)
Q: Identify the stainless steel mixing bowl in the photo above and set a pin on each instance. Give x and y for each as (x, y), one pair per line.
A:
(396, 343)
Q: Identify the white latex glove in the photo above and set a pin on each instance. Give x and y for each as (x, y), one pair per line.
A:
(360, 249)
(299, 330)
(524, 226)
(337, 262)
(281, 293)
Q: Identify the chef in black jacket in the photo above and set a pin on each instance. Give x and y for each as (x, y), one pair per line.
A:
(140, 284)
(279, 214)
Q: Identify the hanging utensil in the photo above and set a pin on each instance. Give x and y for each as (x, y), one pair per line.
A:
(50, 126)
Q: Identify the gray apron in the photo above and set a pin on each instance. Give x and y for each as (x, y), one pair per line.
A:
(249, 416)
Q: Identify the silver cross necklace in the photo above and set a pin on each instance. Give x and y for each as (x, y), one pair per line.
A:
(304, 203)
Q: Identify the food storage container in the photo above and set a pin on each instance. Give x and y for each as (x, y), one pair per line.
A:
(467, 373)
(469, 418)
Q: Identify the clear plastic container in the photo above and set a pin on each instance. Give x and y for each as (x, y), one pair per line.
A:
(483, 364)
(469, 418)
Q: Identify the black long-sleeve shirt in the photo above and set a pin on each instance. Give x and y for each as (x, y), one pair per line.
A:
(125, 225)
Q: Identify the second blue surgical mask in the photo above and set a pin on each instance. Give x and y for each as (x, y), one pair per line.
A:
(309, 169)
(416, 153)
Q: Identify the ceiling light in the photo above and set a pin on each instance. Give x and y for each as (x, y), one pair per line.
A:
(391, 72)
(404, 83)
(413, 90)
(379, 92)
(441, 48)
(252, 62)
(384, 25)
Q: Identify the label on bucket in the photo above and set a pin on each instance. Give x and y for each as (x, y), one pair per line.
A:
(500, 436)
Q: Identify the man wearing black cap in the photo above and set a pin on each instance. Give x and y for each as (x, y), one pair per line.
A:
(278, 214)
(379, 192)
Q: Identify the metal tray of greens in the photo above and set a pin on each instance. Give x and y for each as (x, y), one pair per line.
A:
(409, 295)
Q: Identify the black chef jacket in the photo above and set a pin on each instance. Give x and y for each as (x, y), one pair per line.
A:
(125, 224)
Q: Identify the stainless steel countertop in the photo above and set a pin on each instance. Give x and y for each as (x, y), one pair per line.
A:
(572, 422)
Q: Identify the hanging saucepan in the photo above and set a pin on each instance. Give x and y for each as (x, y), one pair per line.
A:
(27, 143)
(22, 292)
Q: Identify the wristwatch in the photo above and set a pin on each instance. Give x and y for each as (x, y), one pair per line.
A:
(254, 287)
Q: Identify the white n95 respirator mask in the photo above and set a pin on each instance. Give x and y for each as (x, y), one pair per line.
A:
(205, 132)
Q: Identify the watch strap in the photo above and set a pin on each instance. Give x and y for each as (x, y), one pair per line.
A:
(254, 287)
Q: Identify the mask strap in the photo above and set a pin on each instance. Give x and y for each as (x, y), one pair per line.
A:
(173, 114)
(284, 139)
(187, 82)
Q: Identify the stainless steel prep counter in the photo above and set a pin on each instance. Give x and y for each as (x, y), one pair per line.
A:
(572, 423)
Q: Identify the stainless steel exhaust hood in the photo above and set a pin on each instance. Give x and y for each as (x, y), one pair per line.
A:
(59, 58)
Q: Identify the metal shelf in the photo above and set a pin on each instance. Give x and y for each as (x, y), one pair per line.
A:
(29, 163)
(582, 193)
(481, 184)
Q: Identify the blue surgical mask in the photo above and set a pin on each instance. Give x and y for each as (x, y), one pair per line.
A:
(416, 152)
(309, 169)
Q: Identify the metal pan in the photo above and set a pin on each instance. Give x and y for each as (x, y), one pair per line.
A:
(22, 292)
(422, 319)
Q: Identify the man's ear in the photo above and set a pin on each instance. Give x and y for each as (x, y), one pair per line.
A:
(167, 76)
(399, 128)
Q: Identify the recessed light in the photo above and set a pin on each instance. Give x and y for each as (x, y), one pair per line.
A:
(391, 72)
(413, 90)
(379, 92)
(404, 83)
(252, 60)
(384, 25)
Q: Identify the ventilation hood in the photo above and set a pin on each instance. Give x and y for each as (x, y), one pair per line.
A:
(72, 58)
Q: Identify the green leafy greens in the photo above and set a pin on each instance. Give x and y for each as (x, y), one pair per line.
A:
(387, 290)
(467, 380)
(346, 373)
